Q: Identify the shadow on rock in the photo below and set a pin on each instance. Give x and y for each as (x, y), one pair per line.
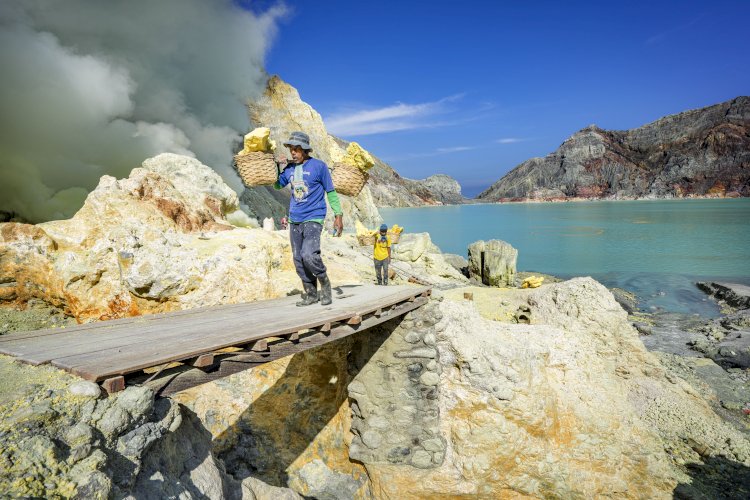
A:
(285, 422)
(715, 479)
(181, 463)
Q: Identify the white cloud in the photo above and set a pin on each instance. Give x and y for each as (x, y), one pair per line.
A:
(454, 149)
(392, 118)
(437, 152)
(510, 140)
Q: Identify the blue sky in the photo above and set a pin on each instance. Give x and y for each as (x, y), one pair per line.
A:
(473, 88)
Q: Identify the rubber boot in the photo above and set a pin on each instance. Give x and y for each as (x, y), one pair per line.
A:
(325, 289)
(310, 296)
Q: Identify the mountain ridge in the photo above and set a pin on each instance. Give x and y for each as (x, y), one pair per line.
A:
(702, 152)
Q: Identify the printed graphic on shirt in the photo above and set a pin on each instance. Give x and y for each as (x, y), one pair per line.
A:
(299, 189)
(299, 186)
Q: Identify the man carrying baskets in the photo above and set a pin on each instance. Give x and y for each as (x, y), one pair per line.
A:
(311, 183)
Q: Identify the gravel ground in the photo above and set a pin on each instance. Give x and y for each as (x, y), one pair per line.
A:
(36, 315)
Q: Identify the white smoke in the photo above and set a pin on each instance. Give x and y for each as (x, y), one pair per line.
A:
(94, 87)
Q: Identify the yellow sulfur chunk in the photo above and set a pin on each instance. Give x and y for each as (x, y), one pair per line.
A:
(358, 157)
(532, 282)
(360, 228)
(363, 231)
(397, 229)
(259, 140)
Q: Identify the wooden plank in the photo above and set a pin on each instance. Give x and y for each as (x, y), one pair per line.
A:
(390, 295)
(34, 351)
(278, 330)
(178, 331)
(183, 334)
(125, 331)
(294, 337)
(314, 337)
(260, 345)
(203, 361)
(134, 320)
(146, 320)
(114, 384)
(252, 357)
(38, 354)
(92, 367)
(170, 383)
(98, 370)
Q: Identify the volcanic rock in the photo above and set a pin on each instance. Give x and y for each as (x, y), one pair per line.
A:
(702, 152)
(493, 262)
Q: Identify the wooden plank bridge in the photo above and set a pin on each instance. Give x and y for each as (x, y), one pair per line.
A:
(173, 351)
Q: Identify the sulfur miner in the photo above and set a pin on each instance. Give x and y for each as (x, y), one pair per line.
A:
(311, 183)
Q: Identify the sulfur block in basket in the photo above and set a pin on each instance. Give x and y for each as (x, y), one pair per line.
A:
(259, 140)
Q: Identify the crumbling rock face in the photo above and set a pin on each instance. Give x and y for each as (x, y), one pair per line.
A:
(60, 438)
(702, 152)
(58, 441)
(389, 189)
(156, 241)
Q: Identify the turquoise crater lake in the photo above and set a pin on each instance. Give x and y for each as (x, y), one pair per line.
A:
(655, 248)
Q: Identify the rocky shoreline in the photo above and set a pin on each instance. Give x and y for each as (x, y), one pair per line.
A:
(575, 199)
(713, 353)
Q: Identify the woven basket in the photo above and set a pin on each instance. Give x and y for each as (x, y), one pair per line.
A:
(256, 168)
(347, 179)
(394, 236)
(366, 240)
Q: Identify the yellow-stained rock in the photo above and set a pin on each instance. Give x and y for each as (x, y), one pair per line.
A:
(292, 415)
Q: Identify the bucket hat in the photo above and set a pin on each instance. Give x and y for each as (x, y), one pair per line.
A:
(300, 139)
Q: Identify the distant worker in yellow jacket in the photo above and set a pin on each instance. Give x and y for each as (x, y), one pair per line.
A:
(382, 255)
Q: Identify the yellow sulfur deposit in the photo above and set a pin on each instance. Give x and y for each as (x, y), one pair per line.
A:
(396, 229)
(358, 157)
(259, 140)
(362, 230)
(532, 282)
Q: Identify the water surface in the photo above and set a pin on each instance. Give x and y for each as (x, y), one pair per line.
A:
(655, 248)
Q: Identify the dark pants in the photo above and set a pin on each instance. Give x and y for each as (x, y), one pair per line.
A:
(305, 239)
(381, 271)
